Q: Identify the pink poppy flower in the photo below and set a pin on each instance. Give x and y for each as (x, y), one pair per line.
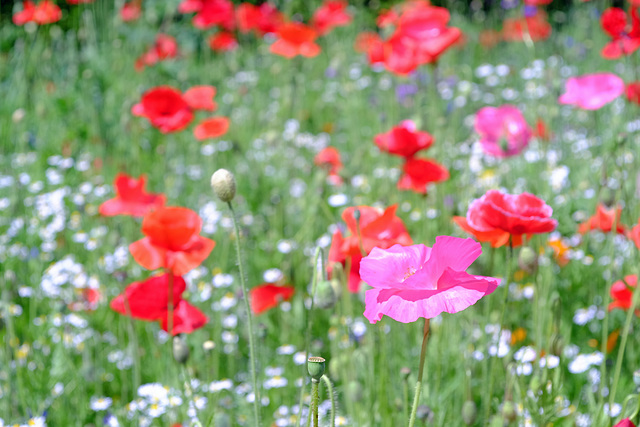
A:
(503, 131)
(592, 91)
(419, 281)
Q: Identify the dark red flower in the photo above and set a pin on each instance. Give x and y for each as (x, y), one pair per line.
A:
(625, 37)
(622, 293)
(534, 27)
(404, 140)
(262, 19)
(517, 214)
(186, 319)
(332, 13)
(165, 47)
(375, 229)
(45, 12)
(211, 128)
(165, 108)
(173, 241)
(419, 173)
(131, 198)
(603, 220)
(633, 92)
(268, 296)
(149, 300)
(130, 11)
(201, 98)
(295, 39)
(223, 42)
(215, 13)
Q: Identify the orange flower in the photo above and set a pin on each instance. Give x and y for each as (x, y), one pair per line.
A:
(495, 237)
(295, 39)
(603, 220)
(211, 128)
(560, 250)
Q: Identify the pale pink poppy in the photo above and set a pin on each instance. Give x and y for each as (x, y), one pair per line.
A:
(503, 130)
(592, 91)
(418, 281)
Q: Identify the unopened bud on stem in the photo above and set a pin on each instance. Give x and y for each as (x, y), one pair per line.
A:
(224, 185)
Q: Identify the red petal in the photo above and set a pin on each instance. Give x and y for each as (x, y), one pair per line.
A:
(186, 319)
(211, 128)
(149, 300)
(147, 255)
(200, 98)
(268, 296)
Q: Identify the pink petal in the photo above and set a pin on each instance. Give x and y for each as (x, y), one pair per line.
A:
(390, 267)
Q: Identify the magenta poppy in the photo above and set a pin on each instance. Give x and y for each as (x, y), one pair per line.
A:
(592, 91)
(503, 130)
(418, 281)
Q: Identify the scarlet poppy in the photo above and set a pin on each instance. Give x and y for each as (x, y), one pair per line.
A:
(534, 27)
(130, 11)
(172, 241)
(625, 423)
(603, 220)
(329, 157)
(262, 19)
(165, 47)
(131, 198)
(495, 237)
(625, 37)
(622, 293)
(223, 42)
(332, 13)
(371, 44)
(211, 128)
(404, 140)
(190, 6)
(517, 214)
(201, 98)
(295, 39)
(215, 13)
(374, 229)
(268, 296)
(45, 12)
(419, 173)
(633, 92)
(186, 319)
(149, 300)
(165, 108)
(634, 235)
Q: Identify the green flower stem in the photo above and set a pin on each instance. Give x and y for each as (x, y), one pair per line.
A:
(245, 298)
(405, 387)
(332, 397)
(315, 401)
(423, 353)
(170, 304)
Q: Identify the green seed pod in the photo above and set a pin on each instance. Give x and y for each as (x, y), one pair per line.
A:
(180, 349)
(325, 295)
(315, 367)
(528, 259)
(353, 392)
(224, 185)
(509, 411)
(469, 412)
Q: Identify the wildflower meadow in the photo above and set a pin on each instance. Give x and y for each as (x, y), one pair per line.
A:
(319, 213)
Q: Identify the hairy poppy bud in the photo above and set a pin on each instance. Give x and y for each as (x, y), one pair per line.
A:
(528, 259)
(180, 349)
(315, 366)
(469, 412)
(224, 185)
(325, 295)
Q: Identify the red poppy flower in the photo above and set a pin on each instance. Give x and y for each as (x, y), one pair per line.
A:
(173, 241)
(495, 237)
(371, 44)
(329, 158)
(603, 220)
(332, 13)
(625, 37)
(223, 42)
(262, 19)
(88, 299)
(211, 128)
(165, 47)
(622, 293)
(517, 214)
(541, 130)
(131, 198)
(267, 296)
(404, 140)
(625, 422)
(634, 235)
(190, 6)
(149, 300)
(215, 12)
(536, 27)
(45, 12)
(633, 92)
(130, 11)
(418, 173)
(186, 319)
(201, 98)
(295, 39)
(376, 229)
(387, 18)
(165, 108)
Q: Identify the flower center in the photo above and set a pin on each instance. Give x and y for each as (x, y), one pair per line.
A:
(410, 272)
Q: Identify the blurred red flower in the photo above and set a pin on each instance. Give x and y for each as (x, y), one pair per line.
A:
(211, 128)
(331, 14)
(149, 300)
(404, 140)
(130, 11)
(190, 6)
(186, 319)
(603, 220)
(172, 241)
(370, 43)
(295, 39)
(268, 296)
(165, 108)
(625, 37)
(329, 158)
(131, 198)
(262, 19)
(418, 173)
(622, 293)
(45, 12)
(516, 214)
(201, 98)
(625, 422)
(534, 26)
(633, 92)
(634, 235)
(223, 41)
(213, 13)
(165, 47)
(375, 229)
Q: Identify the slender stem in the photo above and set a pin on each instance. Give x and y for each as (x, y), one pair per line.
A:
(245, 297)
(405, 387)
(423, 353)
(315, 401)
(187, 385)
(623, 343)
(170, 304)
(332, 397)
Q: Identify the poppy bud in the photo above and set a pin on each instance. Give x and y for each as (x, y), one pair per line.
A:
(208, 345)
(224, 185)
(608, 196)
(353, 393)
(315, 367)
(180, 349)
(469, 412)
(557, 344)
(528, 259)
(325, 295)
(509, 411)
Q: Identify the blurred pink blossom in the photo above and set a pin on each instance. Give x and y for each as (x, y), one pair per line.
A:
(503, 130)
(592, 91)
